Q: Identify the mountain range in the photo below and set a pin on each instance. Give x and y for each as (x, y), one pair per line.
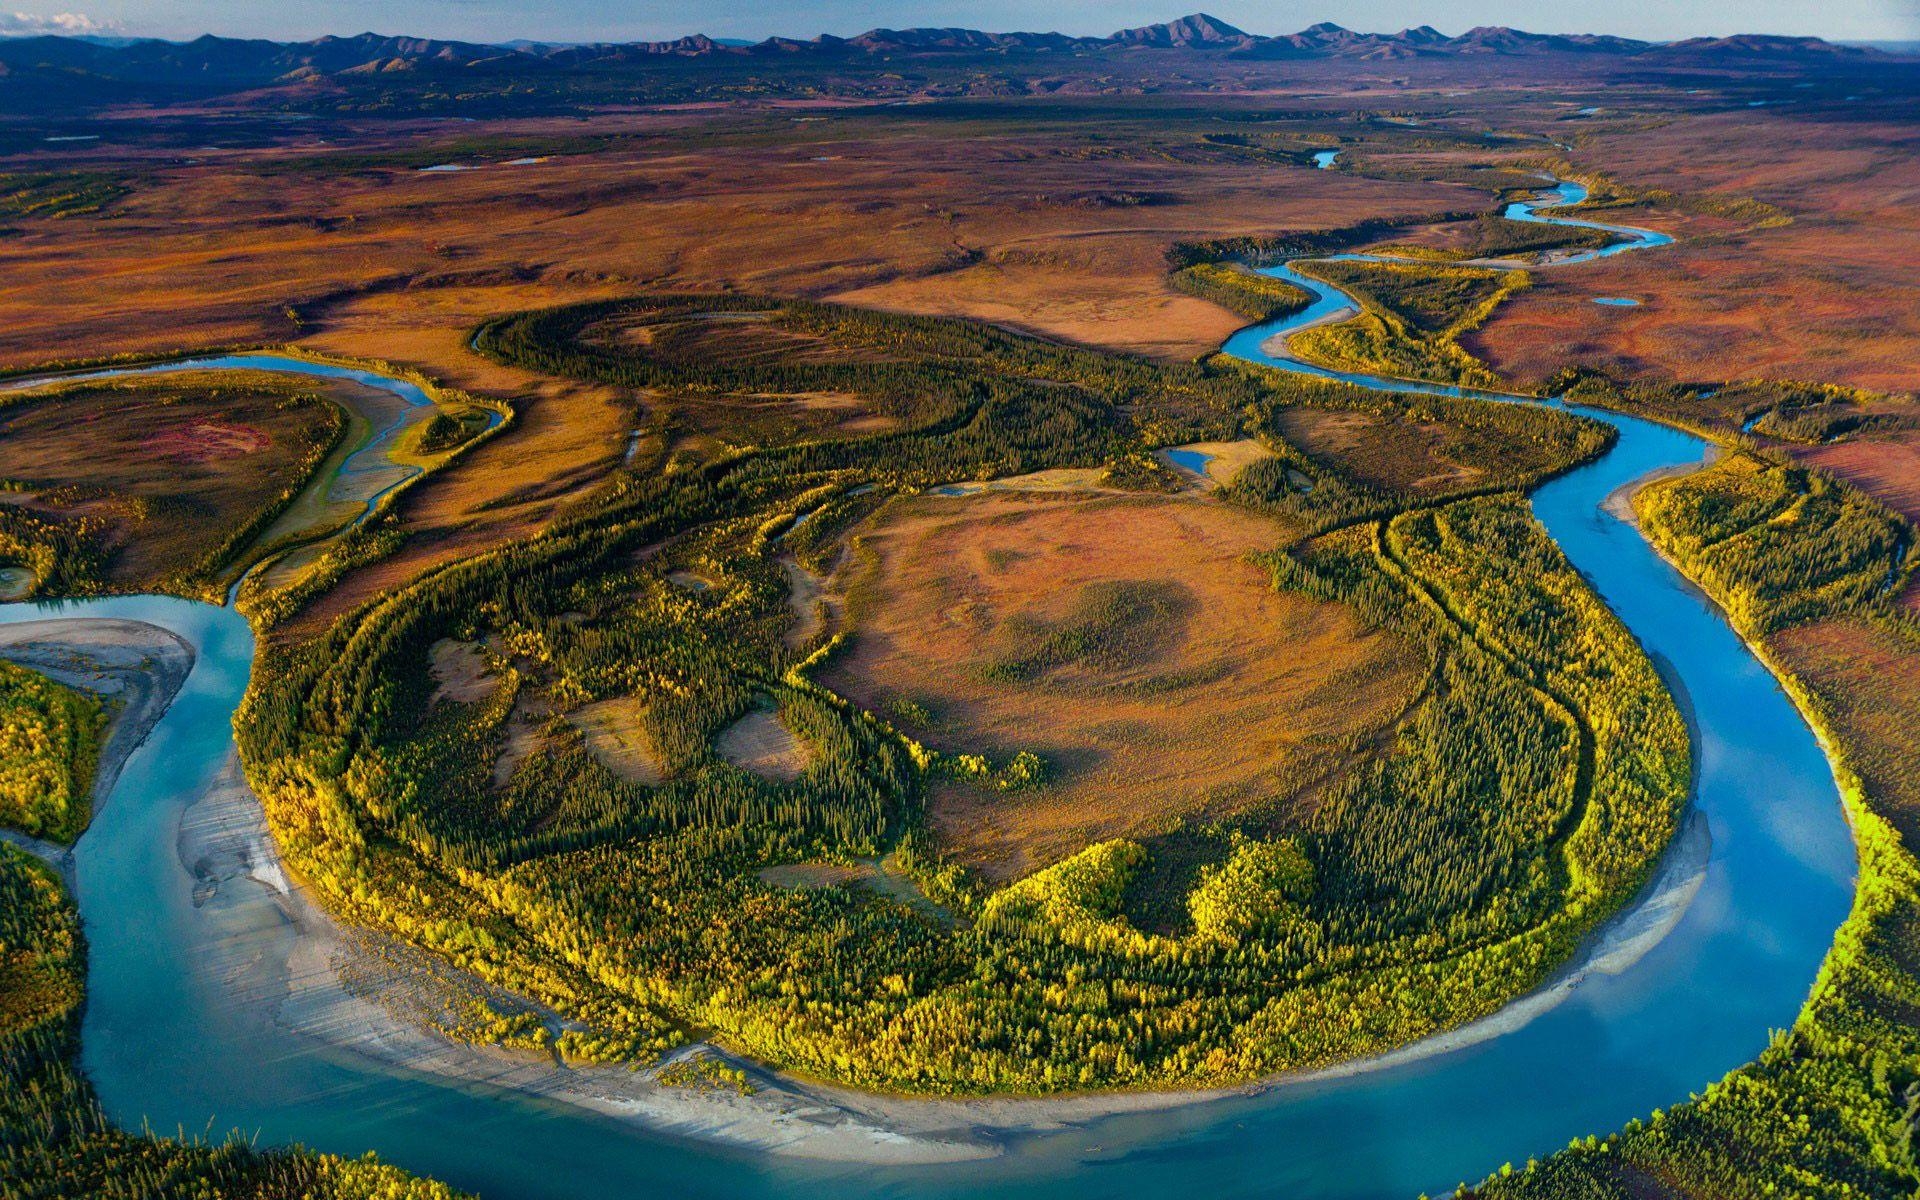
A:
(211, 61)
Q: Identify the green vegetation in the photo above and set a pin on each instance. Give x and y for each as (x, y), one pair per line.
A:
(62, 557)
(1241, 291)
(1283, 246)
(49, 745)
(1423, 449)
(1255, 893)
(1829, 1109)
(1620, 199)
(1813, 413)
(1492, 235)
(445, 431)
(1807, 413)
(58, 193)
(1414, 317)
(54, 1139)
(1778, 544)
(1524, 796)
(1113, 626)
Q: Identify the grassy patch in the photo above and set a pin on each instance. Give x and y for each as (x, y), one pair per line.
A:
(59, 193)
(49, 747)
(1114, 625)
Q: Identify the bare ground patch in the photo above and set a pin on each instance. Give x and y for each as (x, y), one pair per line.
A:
(524, 736)
(759, 743)
(880, 875)
(616, 733)
(1055, 479)
(460, 672)
(806, 596)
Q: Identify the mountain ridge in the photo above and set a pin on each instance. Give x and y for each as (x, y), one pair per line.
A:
(210, 58)
(371, 72)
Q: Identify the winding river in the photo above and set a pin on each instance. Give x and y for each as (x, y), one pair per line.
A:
(1748, 903)
(364, 470)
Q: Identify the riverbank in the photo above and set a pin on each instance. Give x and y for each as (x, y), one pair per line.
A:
(364, 994)
(1619, 502)
(189, 1003)
(284, 959)
(136, 668)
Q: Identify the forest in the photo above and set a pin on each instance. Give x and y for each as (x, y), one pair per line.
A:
(1415, 314)
(1367, 926)
(49, 742)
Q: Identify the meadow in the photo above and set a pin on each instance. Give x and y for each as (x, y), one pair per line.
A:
(153, 484)
(1127, 643)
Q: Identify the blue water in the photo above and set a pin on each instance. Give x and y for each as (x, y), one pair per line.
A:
(166, 1043)
(1324, 159)
(370, 458)
(1616, 301)
(1565, 194)
(1189, 460)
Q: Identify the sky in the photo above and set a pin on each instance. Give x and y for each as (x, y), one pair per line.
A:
(627, 20)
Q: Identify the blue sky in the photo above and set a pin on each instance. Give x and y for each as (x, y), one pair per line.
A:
(573, 20)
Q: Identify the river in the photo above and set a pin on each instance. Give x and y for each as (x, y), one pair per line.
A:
(364, 469)
(170, 1039)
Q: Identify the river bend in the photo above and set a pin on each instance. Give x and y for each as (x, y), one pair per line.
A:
(1753, 893)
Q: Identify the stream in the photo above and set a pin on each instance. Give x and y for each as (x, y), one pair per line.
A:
(1747, 906)
(365, 474)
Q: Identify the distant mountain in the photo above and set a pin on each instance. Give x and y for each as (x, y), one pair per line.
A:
(1196, 30)
(48, 67)
(1755, 45)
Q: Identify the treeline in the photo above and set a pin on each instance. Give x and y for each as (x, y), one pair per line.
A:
(1515, 447)
(55, 1141)
(1279, 247)
(65, 558)
(635, 910)
(1832, 1107)
(49, 747)
(1413, 318)
(1529, 773)
(59, 193)
(1241, 291)
(1777, 543)
(1793, 411)
(1492, 235)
